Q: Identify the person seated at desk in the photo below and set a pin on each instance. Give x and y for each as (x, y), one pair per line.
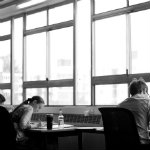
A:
(139, 105)
(2, 100)
(21, 116)
(9, 108)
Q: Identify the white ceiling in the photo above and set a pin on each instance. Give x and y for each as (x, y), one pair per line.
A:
(8, 7)
(6, 3)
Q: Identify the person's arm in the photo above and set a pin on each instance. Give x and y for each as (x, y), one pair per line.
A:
(26, 117)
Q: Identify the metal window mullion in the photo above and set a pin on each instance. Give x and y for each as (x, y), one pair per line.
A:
(12, 61)
(52, 83)
(61, 83)
(110, 79)
(127, 3)
(36, 30)
(111, 13)
(24, 56)
(74, 51)
(128, 44)
(61, 25)
(5, 86)
(49, 27)
(92, 52)
(5, 37)
(47, 57)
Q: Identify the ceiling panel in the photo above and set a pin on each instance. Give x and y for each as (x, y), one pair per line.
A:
(7, 3)
(9, 7)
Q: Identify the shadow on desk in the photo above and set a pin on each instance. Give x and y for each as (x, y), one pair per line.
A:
(61, 139)
(50, 139)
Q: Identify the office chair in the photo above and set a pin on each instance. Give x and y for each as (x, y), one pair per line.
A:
(120, 130)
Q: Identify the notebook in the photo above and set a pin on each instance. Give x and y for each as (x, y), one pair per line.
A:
(55, 126)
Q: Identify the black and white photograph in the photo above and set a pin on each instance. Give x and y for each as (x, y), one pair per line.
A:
(74, 74)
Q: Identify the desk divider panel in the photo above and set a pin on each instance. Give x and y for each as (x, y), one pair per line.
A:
(76, 119)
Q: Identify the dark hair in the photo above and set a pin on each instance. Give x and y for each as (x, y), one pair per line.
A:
(137, 86)
(38, 99)
(2, 98)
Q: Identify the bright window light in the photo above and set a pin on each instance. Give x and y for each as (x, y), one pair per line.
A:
(30, 3)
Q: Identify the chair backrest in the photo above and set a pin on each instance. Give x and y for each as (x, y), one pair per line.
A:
(7, 131)
(119, 128)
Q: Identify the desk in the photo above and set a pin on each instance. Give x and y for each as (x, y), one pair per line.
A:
(50, 137)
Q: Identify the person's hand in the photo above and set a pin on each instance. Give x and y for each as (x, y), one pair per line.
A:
(147, 96)
(39, 124)
(34, 125)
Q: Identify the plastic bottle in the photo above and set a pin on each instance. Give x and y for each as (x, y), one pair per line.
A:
(60, 119)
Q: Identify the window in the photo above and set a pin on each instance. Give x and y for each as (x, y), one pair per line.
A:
(110, 94)
(6, 93)
(49, 54)
(36, 57)
(61, 14)
(5, 61)
(5, 28)
(110, 46)
(140, 46)
(61, 96)
(37, 92)
(107, 5)
(72, 54)
(36, 20)
(148, 84)
(61, 54)
(133, 2)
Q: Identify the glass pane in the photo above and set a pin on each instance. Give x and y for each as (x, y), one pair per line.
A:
(148, 84)
(37, 91)
(36, 57)
(107, 5)
(18, 51)
(7, 95)
(61, 53)
(5, 28)
(5, 61)
(83, 54)
(61, 14)
(140, 29)
(110, 46)
(110, 94)
(61, 96)
(132, 2)
(36, 20)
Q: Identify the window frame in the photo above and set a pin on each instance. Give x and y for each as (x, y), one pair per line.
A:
(122, 78)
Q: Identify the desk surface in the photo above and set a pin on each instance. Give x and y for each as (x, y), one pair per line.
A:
(67, 127)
